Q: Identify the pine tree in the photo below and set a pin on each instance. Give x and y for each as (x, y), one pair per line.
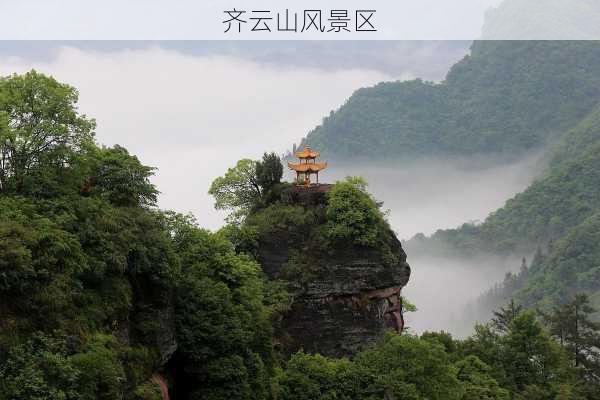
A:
(572, 326)
(506, 315)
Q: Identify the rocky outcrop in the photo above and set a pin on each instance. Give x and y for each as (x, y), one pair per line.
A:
(351, 295)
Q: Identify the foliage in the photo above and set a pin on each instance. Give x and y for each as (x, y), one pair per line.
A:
(121, 179)
(309, 377)
(148, 391)
(247, 185)
(352, 214)
(238, 190)
(89, 270)
(530, 356)
(521, 363)
(477, 383)
(407, 306)
(557, 215)
(506, 315)
(41, 132)
(505, 97)
(38, 369)
(223, 332)
(571, 325)
(269, 171)
(524, 359)
(407, 367)
(101, 375)
(399, 367)
(570, 266)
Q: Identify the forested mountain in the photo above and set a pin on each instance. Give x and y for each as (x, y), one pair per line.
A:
(556, 214)
(103, 296)
(565, 196)
(98, 288)
(505, 97)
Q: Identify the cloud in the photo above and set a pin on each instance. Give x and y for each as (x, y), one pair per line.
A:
(430, 194)
(193, 117)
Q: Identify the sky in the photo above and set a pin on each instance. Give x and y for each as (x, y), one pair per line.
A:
(192, 109)
(392, 19)
(193, 19)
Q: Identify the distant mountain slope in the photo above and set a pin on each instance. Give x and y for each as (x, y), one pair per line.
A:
(579, 139)
(548, 209)
(506, 97)
(571, 266)
(559, 215)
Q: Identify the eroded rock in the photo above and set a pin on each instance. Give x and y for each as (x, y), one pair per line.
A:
(348, 294)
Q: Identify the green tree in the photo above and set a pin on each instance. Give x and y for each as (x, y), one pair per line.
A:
(38, 369)
(531, 357)
(41, 131)
(308, 377)
(503, 317)
(121, 178)
(269, 171)
(573, 326)
(477, 382)
(101, 375)
(352, 214)
(406, 367)
(238, 191)
(223, 332)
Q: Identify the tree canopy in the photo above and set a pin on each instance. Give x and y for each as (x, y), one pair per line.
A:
(505, 97)
(244, 186)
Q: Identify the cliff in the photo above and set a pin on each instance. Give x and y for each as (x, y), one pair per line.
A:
(345, 291)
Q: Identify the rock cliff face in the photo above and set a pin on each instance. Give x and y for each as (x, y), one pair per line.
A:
(351, 293)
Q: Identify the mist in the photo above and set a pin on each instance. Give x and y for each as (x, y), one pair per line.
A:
(193, 116)
(193, 109)
(444, 290)
(427, 195)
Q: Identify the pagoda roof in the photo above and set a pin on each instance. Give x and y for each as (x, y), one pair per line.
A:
(307, 167)
(307, 153)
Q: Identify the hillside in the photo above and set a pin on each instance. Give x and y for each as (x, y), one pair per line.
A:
(557, 214)
(505, 98)
(346, 278)
(104, 296)
(572, 265)
(567, 194)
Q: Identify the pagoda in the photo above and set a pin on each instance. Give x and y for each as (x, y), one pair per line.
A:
(307, 166)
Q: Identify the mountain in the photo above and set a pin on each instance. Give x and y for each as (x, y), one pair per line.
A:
(345, 279)
(506, 97)
(566, 195)
(558, 215)
(572, 265)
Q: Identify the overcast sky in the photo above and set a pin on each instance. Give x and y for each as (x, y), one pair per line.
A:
(194, 19)
(193, 109)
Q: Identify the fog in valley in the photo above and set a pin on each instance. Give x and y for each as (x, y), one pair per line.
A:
(193, 112)
(428, 195)
(445, 290)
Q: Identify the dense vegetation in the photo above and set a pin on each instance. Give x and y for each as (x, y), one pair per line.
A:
(505, 97)
(514, 357)
(96, 285)
(557, 216)
(100, 291)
